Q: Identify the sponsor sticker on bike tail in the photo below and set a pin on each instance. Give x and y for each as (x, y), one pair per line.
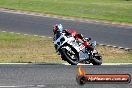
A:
(83, 78)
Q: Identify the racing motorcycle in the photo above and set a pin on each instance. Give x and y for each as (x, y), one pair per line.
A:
(75, 52)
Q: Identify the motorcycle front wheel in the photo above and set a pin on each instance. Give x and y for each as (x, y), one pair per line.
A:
(69, 56)
(97, 60)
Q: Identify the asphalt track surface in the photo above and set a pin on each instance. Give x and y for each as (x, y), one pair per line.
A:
(55, 76)
(103, 33)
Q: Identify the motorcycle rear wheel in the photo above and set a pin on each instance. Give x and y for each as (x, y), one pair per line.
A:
(68, 57)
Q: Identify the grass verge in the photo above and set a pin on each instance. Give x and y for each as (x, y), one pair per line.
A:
(16, 48)
(110, 10)
(115, 55)
(26, 49)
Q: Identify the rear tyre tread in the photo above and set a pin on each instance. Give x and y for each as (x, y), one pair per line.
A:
(67, 58)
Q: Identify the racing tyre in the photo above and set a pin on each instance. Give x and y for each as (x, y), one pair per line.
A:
(97, 60)
(69, 57)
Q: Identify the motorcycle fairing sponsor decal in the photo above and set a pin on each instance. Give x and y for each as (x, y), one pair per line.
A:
(83, 78)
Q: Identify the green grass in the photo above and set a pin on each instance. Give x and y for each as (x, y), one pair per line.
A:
(29, 49)
(110, 10)
(115, 55)
(26, 49)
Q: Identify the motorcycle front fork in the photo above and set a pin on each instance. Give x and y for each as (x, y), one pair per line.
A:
(88, 60)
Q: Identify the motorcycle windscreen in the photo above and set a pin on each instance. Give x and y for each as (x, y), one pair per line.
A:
(93, 44)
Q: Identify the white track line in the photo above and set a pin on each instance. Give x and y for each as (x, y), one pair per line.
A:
(52, 37)
(35, 35)
(24, 86)
(115, 46)
(8, 86)
(18, 33)
(68, 64)
(26, 34)
(15, 63)
(43, 36)
(12, 32)
(103, 64)
(3, 31)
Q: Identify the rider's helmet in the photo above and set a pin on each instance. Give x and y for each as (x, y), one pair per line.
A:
(57, 28)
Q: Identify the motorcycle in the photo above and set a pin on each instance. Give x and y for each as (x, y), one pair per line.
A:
(75, 52)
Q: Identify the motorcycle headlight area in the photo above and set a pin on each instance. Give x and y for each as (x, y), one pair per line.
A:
(59, 42)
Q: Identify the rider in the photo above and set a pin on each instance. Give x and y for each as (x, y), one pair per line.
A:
(57, 28)
(77, 36)
(80, 38)
(87, 44)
